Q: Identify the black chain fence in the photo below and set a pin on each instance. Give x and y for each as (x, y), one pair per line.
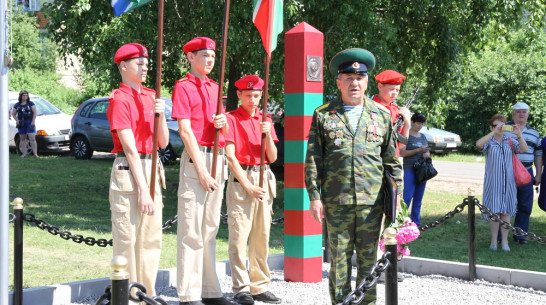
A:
(356, 296)
(458, 209)
(506, 225)
(91, 241)
(140, 296)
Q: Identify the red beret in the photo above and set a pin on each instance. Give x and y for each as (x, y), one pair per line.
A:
(249, 82)
(199, 43)
(390, 77)
(130, 50)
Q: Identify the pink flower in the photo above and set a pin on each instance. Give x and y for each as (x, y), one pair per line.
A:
(406, 233)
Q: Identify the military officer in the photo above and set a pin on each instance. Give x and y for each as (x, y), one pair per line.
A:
(136, 218)
(350, 144)
(249, 206)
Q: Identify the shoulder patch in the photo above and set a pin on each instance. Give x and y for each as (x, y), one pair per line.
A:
(323, 106)
(182, 80)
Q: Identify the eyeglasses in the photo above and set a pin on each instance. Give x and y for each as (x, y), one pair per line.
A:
(494, 125)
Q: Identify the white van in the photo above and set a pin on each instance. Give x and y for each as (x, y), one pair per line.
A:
(52, 125)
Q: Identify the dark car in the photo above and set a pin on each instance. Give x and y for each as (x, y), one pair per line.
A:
(91, 131)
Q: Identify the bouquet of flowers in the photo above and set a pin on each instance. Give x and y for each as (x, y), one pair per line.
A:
(407, 231)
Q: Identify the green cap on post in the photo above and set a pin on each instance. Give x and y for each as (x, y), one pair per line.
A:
(355, 60)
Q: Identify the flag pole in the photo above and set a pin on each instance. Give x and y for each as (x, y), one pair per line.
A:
(157, 95)
(264, 117)
(225, 27)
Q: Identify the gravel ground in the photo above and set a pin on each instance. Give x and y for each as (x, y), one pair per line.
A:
(422, 290)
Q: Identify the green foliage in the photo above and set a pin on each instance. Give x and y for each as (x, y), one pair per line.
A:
(46, 85)
(31, 49)
(512, 70)
(423, 40)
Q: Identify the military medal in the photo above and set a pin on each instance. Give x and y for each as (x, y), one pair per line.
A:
(339, 133)
(332, 135)
(337, 141)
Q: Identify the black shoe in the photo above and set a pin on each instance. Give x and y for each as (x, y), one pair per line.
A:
(191, 303)
(267, 297)
(522, 241)
(244, 298)
(217, 301)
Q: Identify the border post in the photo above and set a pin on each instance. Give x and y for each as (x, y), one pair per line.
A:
(303, 85)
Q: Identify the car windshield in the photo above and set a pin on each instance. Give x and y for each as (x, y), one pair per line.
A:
(42, 106)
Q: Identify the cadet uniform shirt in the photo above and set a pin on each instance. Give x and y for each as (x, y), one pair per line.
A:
(393, 109)
(245, 133)
(196, 100)
(129, 109)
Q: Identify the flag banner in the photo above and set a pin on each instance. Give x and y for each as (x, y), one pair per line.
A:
(268, 19)
(123, 6)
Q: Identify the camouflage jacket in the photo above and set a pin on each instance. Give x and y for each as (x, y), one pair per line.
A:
(346, 167)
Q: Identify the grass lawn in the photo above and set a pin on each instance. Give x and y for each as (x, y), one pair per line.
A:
(460, 157)
(73, 194)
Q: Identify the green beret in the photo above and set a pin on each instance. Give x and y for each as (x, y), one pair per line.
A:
(355, 60)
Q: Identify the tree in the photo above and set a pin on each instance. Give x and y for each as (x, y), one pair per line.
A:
(511, 70)
(422, 39)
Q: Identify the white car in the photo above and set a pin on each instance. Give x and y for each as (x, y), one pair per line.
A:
(52, 125)
(441, 141)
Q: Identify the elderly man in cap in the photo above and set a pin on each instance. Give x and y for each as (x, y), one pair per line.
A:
(350, 144)
(520, 114)
(249, 206)
(388, 85)
(200, 195)
(136, 218)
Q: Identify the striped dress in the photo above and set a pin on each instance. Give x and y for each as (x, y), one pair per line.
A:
(499, 187)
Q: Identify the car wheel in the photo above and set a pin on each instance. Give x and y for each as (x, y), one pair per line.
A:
(80, 148)
(166, 155)
(17, 141)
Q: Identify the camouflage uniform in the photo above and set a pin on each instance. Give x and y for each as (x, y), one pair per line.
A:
(344, 168)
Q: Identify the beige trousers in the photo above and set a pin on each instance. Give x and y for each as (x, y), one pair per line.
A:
(136, 236)
(249, 223)
(198, 222)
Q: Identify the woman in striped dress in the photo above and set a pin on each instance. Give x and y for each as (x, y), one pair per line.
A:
(499, 187)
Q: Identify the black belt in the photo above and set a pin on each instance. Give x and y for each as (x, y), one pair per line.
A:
(254, 167)
(527, 164)
(142, 156)
(211, 149)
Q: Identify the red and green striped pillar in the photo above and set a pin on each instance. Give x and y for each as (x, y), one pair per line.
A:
(303, 85)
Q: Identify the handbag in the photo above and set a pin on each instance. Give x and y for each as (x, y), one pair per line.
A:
(390, 191)
(521, 174)
(424, 170)
(19, 125)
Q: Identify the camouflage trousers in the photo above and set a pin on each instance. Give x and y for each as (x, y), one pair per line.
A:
(352, 227)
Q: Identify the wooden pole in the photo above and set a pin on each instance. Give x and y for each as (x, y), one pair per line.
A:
(157, 95)
(264, 117)
(225, 27)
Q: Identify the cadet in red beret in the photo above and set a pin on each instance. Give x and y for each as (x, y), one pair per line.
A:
(136, 218)
(195, 99)
(249, 206)
(388, 84)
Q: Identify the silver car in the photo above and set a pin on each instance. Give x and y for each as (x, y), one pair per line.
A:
(441, 141)
(91, 131)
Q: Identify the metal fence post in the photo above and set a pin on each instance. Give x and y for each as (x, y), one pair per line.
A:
(326, 253)
(120, 281)
(391, 278)
(18, 251)
(471, 235)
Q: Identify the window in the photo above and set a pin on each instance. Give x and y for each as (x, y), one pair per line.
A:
(28, 5)
(99, 111)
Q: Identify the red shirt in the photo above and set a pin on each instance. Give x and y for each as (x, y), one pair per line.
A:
(129, 109)
(245, 133)
(394, 110)
(196, 100)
